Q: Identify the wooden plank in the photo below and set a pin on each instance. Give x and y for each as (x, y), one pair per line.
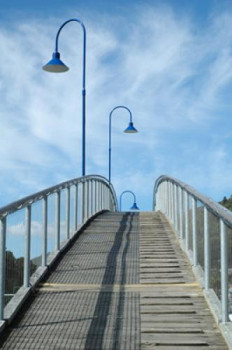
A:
(174, 314)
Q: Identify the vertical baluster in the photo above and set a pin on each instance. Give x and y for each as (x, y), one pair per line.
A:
(166, 198)
(176, 207)
(87, 199)
(100, 189)
(186, 220)
(45, 231)
(173, 204)
(181, 213)
(57, 243)
(2, 265)
(83, 201)
(96, 199)
(27, 247)
(92, 197)
(68, 213)
(168, 203)
(206, 249)
(224, 271)
(194, 222)
(76, 207)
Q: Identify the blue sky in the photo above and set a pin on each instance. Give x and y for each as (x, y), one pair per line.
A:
(170, 62)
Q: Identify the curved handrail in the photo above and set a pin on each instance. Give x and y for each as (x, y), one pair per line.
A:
(214, 207)
(198, 233)
(70, 213)
(23, 202)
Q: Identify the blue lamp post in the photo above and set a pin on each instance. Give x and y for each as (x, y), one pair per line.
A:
(134, 206)
(57, 66)
(129, 130)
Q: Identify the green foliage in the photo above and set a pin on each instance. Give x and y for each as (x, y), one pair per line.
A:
(227, 202)
(14, 272)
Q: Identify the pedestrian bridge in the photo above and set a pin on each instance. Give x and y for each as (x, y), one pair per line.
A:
(78, 274)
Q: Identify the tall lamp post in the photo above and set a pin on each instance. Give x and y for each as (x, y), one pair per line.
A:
(134, 206)
(57, 66)
(129, 130)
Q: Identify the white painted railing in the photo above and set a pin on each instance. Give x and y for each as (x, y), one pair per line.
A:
(34, 229)
(204, 228)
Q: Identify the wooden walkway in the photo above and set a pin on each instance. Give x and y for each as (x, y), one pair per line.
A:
(125, 284)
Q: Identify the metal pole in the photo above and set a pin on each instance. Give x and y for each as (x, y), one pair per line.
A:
(68, 212)
(45, 231)
(100, 195)
(168, 200)
(83, 86)
(27, 248)
(57, 244)
(110, 123)
(95, 204)
(76, 207)
(224, 271)
(83, 201)
(186, 220)
(176, 207)
(3, 265)
(194, 216)
(206, 249)
(92, 197)
(181, 213)
(173, 204)
(88, 201)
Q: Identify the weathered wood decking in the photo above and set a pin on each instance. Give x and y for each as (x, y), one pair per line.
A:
(125, 284)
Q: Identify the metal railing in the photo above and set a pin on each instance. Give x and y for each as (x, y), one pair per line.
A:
(35, 227)
(205, 230)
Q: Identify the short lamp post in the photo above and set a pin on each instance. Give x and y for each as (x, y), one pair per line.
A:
(134, 206)
(129, 130)
(55, 65)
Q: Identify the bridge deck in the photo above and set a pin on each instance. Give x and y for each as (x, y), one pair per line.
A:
(124, 284)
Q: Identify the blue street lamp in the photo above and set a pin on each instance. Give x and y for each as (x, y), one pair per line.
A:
(129, 130)
(134, 206)
(57, 66)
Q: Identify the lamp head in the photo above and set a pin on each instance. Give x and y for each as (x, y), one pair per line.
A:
(55, 65)
(130, 129)
(134, 207)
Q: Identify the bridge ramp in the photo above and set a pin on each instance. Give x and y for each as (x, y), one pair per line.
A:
(125, 284)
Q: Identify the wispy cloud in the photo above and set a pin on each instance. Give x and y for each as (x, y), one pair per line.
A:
(172, 74)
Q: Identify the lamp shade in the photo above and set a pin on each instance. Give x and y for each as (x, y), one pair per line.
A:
(55, 65)
(130, 129)
(134, 207)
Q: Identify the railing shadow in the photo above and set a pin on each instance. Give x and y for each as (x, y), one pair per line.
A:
(96, 332)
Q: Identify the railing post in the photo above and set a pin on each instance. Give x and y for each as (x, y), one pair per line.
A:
(68, 213)
(76, 207)
(168, 200)
(186, 220)
(224, 271)
(96, 199)
(206, 249)
(45, 231)
(101, 197)
(2, 265)
(83, 201)
(57, 244)
(181, 234)
(27, 247)
(92, 197)
(157, 199)
(176, 208)
(164, 196)
(194, 222)
(87, 199)
(173, 205)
